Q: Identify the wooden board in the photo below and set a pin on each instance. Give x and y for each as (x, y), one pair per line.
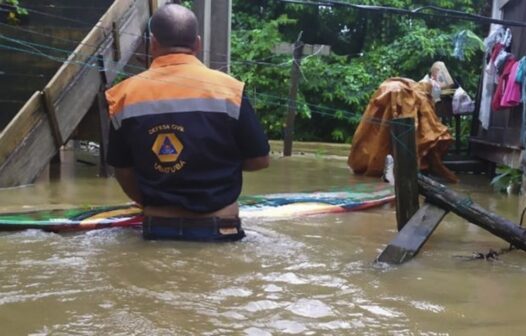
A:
(412, 237)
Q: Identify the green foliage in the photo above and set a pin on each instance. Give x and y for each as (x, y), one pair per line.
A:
(366, 49)
(267, 85)
(14, 12)
(506, 177)
(121, 76)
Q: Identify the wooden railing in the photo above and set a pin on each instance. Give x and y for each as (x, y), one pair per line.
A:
(49, 117)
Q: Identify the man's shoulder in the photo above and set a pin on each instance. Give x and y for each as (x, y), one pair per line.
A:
(223, 76)
(127, 83)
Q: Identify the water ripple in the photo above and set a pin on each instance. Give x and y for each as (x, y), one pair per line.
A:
(310, 308)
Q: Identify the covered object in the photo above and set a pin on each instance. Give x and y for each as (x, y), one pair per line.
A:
(400, 98)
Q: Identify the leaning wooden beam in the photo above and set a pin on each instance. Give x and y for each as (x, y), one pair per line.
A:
(463, 206)
(50, 110)
(413, 236)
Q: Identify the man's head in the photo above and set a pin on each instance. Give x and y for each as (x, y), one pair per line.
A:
(174, 28)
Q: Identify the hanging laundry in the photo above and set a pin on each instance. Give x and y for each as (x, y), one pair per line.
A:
(503, 79)
(521, 78)
(496, 53)
(501, 60)
(464, 41)
(498, 40)
(512, 91)
(495, 36)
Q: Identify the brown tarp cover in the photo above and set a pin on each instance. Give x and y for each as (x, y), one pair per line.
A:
(400, 98)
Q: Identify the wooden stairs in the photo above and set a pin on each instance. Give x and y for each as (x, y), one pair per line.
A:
(50, 117)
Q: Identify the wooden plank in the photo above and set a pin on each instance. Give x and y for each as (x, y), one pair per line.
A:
(497, 154)
(75, 104)
(463, 206)
(77, 99)
(403, 140)
(87, 47)
(51, 112)
(414, 234)
(467, 165)
(131, 37)
(116, 42)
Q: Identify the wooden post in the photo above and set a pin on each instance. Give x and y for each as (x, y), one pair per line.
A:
(49, 107)
(288, 131)
(153, 4)
(523, 168)
(102, 107)
(214, 17)
(445, 198)
(104, 121)
(221, 22)
(51, 112)
(405, 169)
(116, 42)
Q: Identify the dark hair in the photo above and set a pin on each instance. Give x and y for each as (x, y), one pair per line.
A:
(174, 26)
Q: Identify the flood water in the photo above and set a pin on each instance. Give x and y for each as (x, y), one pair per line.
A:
(302, 276)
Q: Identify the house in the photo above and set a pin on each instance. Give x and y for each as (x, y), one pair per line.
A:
(499, 143)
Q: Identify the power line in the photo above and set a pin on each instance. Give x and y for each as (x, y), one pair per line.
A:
(80, 43)
(36, 47)
(454, 14)
(36, 51)
(68, 19)
(271, 99)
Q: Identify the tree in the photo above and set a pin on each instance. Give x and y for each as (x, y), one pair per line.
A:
(368, 47)
(13, 11)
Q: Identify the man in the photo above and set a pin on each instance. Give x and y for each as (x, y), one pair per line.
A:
(181, 136)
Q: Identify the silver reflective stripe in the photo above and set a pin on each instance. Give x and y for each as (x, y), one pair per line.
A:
(176, 106)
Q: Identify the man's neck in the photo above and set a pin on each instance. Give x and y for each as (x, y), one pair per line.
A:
(174, 50)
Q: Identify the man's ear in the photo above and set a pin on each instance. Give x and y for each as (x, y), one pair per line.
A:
(197, 44)
(154, 45)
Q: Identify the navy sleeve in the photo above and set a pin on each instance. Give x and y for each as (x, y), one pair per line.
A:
(251, 138)
(119, 153)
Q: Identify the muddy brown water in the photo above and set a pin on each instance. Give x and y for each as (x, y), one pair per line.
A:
(301, 276)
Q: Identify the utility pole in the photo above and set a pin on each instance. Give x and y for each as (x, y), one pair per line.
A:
(298, 50)
(288, 130)
(215, 18)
